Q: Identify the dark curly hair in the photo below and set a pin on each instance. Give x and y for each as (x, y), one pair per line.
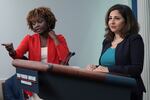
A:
(43, 12)
(131, 24)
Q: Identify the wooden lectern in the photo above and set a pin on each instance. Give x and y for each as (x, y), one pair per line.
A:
(59, 82)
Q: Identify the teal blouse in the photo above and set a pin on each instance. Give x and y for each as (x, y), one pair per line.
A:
(108, 57)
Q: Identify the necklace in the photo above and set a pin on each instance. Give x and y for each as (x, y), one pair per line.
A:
(115, 42)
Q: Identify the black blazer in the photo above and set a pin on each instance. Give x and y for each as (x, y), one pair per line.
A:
(129, 57)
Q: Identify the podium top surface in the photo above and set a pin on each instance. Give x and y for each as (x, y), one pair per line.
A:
(75, 72)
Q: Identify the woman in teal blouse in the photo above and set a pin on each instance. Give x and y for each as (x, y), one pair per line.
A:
(123, 47)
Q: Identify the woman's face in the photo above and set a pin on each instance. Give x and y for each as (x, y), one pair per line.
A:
(116, 22)
(39, 25)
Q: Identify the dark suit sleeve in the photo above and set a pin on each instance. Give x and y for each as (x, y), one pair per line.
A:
(136, 57)
(11, 90)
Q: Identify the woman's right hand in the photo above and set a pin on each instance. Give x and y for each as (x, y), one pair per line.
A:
(90, 67)
(9, 47)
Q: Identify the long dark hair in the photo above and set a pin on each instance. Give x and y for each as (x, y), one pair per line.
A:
(131, 24)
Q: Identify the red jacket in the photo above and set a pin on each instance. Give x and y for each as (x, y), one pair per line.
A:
(31, 44)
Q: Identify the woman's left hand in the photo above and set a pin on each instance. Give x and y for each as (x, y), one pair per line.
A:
(54, 37)
(101, 69)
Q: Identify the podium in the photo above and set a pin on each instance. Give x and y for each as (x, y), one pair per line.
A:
(59, 82)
